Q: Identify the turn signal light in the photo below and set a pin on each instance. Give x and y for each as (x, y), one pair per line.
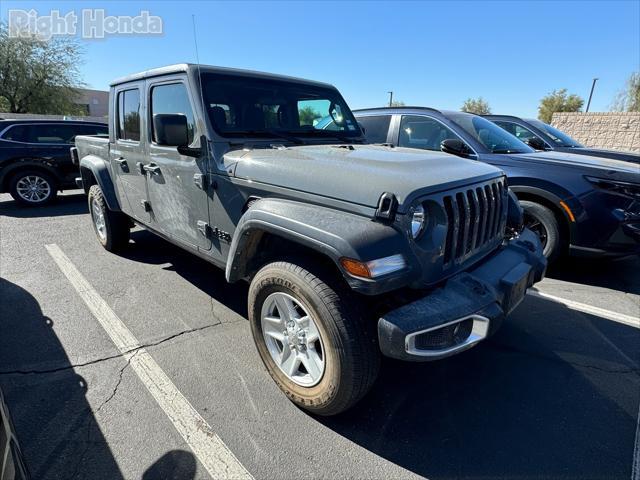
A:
(356, 268)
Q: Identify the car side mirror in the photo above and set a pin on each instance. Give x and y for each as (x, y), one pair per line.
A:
(172, 130)
(454, 146)
(536, 143)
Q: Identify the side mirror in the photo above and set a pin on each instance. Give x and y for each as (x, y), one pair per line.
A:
(170, 129)
(536, 143)
(454, 146)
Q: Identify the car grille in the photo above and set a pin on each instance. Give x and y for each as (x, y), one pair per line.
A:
(476, 218)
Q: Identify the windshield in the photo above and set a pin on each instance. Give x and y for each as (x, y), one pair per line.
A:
(494, 138)
(560, 138)
(259, 107)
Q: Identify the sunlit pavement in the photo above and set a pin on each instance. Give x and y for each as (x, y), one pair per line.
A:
(554, 394)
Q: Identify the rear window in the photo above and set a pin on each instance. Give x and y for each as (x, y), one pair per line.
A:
(51, 132)
(129, 115)
(376, 127)
(17, 133)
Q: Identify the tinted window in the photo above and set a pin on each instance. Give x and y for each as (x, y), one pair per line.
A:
(54, 133)
(91, 130)
(240, 106)
(559, 137)
(494, 138)
(516, 130)
(423, 132)
(129, 115)
(17, 133)
(375, 127)
(172, 98)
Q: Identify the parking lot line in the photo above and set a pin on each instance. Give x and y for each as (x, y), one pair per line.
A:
(207, 446)
(583, 307)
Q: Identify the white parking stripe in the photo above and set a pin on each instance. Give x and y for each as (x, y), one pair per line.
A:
(216, 457)
(583, 307)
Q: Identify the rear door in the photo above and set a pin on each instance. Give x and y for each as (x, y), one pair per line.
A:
(127, 152)
(177, 183)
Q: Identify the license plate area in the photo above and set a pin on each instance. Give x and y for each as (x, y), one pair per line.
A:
(515, 285)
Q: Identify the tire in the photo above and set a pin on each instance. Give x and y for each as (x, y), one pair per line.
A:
(543, 222)
(44, 185)
(112, 228)
(346, 345)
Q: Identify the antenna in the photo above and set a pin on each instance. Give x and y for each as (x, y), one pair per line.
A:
(195, 41)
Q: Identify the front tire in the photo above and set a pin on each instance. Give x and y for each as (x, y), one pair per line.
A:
(112, 228)
(33, 188)
(312, 338)
(543, 222)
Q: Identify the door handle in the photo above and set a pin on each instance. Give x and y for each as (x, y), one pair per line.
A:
(151, 168)
(123, 163)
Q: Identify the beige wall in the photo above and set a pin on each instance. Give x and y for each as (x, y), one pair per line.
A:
(611, 130)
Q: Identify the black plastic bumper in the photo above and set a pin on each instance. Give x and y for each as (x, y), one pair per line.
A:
(482, 296)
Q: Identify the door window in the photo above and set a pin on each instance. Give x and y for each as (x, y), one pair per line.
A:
(423, 132)
(172, 98)
(52, 133)
(129, 115)
(516, 130)
(376, 127)
(17, 133)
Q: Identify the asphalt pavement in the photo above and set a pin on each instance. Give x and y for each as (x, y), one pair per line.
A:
(555, 394)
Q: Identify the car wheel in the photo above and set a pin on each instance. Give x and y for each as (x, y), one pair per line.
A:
(33, 188)
(311, 337)
(112, 228)
(543, 222)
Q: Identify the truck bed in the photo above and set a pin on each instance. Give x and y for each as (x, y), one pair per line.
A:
(96, 145)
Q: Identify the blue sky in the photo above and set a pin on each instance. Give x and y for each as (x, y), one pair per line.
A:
(429, 53)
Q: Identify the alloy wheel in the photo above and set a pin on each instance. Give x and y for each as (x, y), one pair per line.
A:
(33, 189)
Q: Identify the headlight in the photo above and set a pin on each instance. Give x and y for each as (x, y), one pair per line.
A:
(418, 219)
(627, 189)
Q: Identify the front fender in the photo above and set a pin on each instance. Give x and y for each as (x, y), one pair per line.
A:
(96, 167)
(330, 232)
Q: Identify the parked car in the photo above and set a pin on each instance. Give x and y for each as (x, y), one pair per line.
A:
(12, 466)
(541, 136)
(579, 204)
(350, 249)
(34, 157)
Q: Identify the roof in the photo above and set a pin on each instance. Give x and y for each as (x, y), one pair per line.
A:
(185, 67)
(407, 110)
(41, 120)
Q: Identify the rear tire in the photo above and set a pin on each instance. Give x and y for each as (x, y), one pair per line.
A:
(33, 188)
(543, 222)
(346, 353)
(112, 228)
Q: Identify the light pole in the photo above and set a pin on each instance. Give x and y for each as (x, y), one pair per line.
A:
(390, 98)
(593, 85)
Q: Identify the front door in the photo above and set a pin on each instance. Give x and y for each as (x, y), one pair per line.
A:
(127, 153)
(176, 183)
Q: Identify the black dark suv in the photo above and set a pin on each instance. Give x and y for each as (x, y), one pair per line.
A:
(540, 136)
(35, 162)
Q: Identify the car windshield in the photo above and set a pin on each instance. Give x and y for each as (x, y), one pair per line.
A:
(262, 107)
(493, 137)
(560, 138)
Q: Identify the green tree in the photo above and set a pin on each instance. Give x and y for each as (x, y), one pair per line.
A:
(39, 76)
(628, 99)
(558, 101)
(476, 105)
(307, 115)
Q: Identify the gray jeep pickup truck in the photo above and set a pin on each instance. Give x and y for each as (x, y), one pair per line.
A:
(351, 250)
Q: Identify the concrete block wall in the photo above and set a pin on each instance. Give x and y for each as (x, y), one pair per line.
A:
(610, 130)
(36, 116)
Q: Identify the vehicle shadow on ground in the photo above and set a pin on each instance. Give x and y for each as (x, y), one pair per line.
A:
(622, 274)
(553, 395)
(54, 422)
(150, 249)
(70, 204)
(175, 464)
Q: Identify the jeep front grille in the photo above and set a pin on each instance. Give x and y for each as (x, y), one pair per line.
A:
(475, 219)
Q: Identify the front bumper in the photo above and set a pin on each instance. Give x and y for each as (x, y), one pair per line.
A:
(467, 308)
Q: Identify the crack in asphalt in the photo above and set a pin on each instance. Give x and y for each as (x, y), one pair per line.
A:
(115, 389)
(110, 357)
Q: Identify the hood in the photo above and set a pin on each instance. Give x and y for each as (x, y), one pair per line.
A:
(614, 154)
(358, 173)
(581, 161)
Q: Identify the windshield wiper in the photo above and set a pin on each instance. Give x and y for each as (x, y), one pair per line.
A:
(329, 134)
(272, 133)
